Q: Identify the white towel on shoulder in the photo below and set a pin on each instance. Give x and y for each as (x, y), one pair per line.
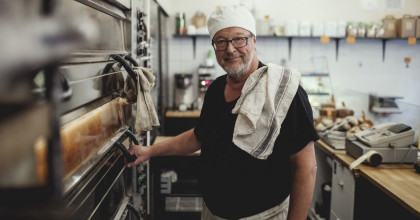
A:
(146, 116)
(262, 107)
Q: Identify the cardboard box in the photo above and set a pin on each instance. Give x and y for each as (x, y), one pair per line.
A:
(390, 26)
(418, 31)
(407, 27)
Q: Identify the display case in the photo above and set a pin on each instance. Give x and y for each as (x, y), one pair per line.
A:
(317, 84)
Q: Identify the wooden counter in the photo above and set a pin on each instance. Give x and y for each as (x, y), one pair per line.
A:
(183, 114)
(163, 138)
(177, 122)
(398, 181)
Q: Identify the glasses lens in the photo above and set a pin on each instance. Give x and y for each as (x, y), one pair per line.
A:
(220, 45)
(237, 43)
(240, 42)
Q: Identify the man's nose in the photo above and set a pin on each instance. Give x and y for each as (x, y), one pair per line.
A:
(230, 48)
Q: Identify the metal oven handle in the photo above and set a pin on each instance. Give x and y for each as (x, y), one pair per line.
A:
(129, 158)
(131, 60)
(133, 209)
(132, 137)
(65, 84)
(126, 66)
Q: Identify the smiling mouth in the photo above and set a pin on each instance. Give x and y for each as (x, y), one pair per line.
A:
(232, 58)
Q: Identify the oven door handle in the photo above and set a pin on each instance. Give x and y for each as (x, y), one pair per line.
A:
(65, 86)
(126, 66)
(133, 209)
(129, 158)
(131, 60)
(132, 137)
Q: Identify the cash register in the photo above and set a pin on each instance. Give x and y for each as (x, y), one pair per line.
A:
(393, 142)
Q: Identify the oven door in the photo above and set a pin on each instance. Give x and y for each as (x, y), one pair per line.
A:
(105, 191)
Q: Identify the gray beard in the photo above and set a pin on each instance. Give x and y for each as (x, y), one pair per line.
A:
(241, 71)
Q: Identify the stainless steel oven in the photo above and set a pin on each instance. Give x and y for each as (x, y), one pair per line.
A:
(66, 126)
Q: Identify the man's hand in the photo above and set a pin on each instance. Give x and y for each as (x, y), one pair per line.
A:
(141, 152)
(183, 144)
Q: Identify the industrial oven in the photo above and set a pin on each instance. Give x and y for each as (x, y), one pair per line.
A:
(66, 125)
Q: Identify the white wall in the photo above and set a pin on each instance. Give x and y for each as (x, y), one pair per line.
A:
(359, 66)
(314, 10)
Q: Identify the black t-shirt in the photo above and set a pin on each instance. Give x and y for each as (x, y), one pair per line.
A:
(235, 184)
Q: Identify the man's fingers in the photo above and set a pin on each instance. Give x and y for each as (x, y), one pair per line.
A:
(137, 161)
(131, 149)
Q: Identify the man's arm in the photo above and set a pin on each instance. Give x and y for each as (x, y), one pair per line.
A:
(303, 182)
(182, 144)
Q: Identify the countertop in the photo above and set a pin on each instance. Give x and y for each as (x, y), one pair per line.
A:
(183, 114)
(399, 181)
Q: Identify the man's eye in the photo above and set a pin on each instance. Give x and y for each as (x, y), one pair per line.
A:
(220, 42)
(238, 39)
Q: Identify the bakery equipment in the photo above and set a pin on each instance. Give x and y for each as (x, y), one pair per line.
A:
(184, 91)
(387, 135)
(389, 155)
(64, 146)
(392, 141)
(205, 78)
(383, 104)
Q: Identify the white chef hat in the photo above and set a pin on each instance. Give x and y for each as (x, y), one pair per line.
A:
(230, 16)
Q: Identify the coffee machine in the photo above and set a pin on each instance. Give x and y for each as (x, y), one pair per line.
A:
(205, 78)
(184, 94)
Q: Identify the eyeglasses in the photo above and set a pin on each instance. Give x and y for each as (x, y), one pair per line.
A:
(238, 42)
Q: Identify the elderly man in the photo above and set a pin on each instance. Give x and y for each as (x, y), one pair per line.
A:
(255, 131)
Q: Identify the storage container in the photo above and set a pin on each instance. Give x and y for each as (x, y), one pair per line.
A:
(318, 29)
(390, 26)
(407, 26)
(305, 29)
(418, 27)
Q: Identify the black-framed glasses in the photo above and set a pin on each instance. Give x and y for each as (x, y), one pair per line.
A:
(236, 42)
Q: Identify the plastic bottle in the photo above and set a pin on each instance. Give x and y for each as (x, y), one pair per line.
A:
(209, 59)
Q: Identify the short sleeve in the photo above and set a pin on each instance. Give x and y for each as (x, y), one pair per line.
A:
(298, 128)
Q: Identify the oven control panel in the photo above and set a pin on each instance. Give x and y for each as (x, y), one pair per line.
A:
(140, 48)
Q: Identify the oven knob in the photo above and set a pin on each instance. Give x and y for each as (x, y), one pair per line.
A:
(140, 26)
(139, 39)
(141, 169)
(139, 15)
(139, 51)
(142, 178)
(142, 189)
